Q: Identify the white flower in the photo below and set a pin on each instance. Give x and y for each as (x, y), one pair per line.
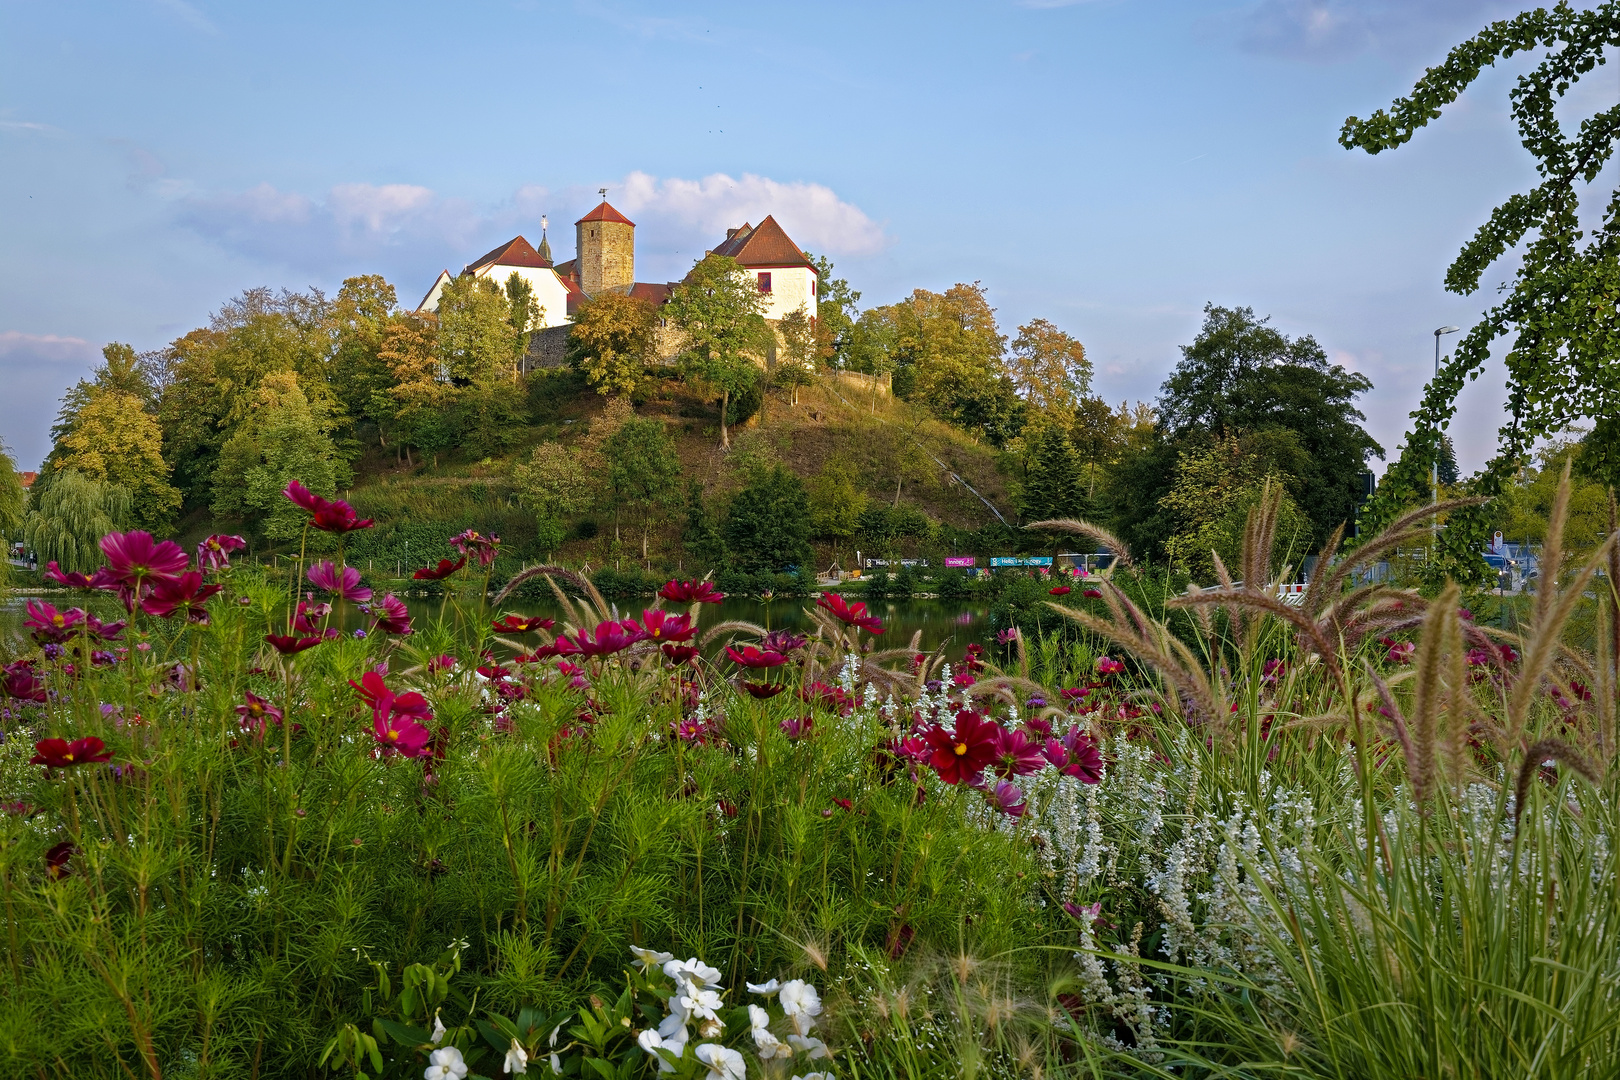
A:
(699, 1004)
(723, 1063)
(809, 1044)
(647, 959)
(517, 1060)
(799, 997)
(769, 1045)
(667, 1036)
(802, 1023)
(445, 1064)
(438, 1028)
(815, 1076)
(764, 989)
(693, 971)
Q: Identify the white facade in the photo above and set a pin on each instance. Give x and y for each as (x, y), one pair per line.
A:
(791, 287)
(549, 291)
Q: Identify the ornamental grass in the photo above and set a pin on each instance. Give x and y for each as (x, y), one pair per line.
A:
(1364, 836)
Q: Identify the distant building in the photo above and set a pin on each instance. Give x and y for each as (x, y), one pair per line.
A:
(605, 261)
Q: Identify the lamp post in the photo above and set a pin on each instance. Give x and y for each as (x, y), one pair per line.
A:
(1434, 464)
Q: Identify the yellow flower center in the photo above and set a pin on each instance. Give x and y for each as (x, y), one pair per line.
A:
(961, 748)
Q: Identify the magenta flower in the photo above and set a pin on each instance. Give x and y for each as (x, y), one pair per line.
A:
(133, 560)
(1060, 590)
(1092, 594)
(659, 625)
(475, 545)
(1016, 754)
(341, 582)
(334, 516)
(608, 638)
(1007, 636)
(22, 682)
(441, 663)
(392, 618)
(797, 727)
(288, 645)
(752, 657)
(214, 553)
(763, 691)
(401, 735)
(184, 594)
(72, 581)
(783, 641)
(441, 571)
(1401, 652)
(849, 614)
(522, 624)
(1075, 755)
(691, 731)
(961, 755)
(104, 631)
(1107, 665)
(308, 618)
(49, 625)
(1007, 797)
(690, 592)
(256, 712)
(679, 654)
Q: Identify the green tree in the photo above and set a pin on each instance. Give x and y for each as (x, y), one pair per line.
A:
(477, 344)
(643, 473)
(422, 398)
(796, 357)
(1050, 369)
(68, 515)
(13, 497)
(611, 341)
(114, 440)
(768, 523)
(1215, 487)
(701, 536)
(361, 316)
(837, 309)
(281, 442)
(1053, 485)
(524, 316)
(123, 370)
(1559, 308)
(718, 310)
(835, 502)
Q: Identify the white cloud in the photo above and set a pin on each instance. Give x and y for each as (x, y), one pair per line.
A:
(1327, 30)
(50, 347)
(813, 214)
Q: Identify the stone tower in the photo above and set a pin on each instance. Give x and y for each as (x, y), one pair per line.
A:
(605, 241)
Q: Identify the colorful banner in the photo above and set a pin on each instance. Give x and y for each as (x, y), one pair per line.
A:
(961, 560)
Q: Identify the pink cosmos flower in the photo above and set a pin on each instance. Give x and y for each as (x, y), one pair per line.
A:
(849, 614)
(256, 712)
(752, 657)
(334, 516)
(49, 625)
(1007, 797)
(474, 544)
(1007, 636)
(659, 625)
(1060, 590)
(798, 727)
(1107, 665)
(763, 691)
(1092, 594)
(214, 553)
(184, 594)
(308, 618)
(20, 681)
(341, 582)
(679, 654)
(608, 638)
(288, 645)
(691, 731)
(392, 616)
(104, 631)
(1075, 755)
(441, 663)
(690, 592)
(1401, 652)
(522, 624)
(134, 561)
(441, 571)
(396, 719)
(72, 581)
(1016, 754)
(783, 641)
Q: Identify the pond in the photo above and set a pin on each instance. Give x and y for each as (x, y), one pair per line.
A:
(953, 624)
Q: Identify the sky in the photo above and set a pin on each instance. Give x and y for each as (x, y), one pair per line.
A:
(1110, 165)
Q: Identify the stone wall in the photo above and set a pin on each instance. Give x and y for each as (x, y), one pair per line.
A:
(548, 348)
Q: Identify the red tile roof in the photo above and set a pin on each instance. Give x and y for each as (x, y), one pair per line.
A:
(606, 213)
(576, 295)
(28, 478)
(652, 292)
(515, 252)
(569, 269)
(766, 244)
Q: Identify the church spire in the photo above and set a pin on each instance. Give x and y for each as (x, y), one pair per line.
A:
(545, 245)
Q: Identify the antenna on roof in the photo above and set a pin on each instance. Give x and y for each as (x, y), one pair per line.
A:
(602, 192)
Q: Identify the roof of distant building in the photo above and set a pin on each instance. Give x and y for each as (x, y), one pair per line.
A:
(515, 252)
(604, 212)
(27, 478)
(650, 291)
(765, 244)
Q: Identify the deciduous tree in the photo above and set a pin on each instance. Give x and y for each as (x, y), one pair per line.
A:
(643, 474)
(68, 515)
(114, 440)
(611, 341)
(1049, 368)
(719, 311)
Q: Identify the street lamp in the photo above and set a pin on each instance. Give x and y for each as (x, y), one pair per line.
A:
(1434, 464)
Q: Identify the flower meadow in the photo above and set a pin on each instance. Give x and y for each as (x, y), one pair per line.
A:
(1364, 836)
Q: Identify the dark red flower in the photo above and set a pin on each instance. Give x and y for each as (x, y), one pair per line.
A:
(287, 645)
(104, 631)
(56, 859)
(764, 691)
(342, 582)
(22, 682)
(522, 624)
(690, 592)
(751, 657)
(659, 625)
(1092, 594)
(1060, 590)
(608, 638)
(961, 755)
(186, 593)
(679, 654)
(1075, 755)
(849, 614)
(214, 553)
(541, 652)
(256, 712)
(71, 580)
(443, 570)
(844, 804)
(334, 516)
(61, 754)
(1107, 665)
(49, 625)
(783, 641)
(834, 698)
(392, 616)
(1016, 753)
(396, 719)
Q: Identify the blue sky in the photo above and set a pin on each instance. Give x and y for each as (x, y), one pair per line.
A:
(1110, 165)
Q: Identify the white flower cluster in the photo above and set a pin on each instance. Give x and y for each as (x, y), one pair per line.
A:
(696, 1001)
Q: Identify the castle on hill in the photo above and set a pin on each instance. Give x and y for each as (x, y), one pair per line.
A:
(605, 261)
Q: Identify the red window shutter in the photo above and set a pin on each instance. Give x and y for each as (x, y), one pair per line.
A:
(765, 281)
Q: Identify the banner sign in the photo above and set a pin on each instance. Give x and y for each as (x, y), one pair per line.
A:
(1018, 560)
(961, 560)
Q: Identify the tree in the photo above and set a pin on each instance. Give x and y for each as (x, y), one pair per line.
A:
(422, 399)
(701, 535)
(1049, 368)
(835, 502)
(524, 315)
(1241, 376)
(282, 441)
(1102, 436)
(719, 311)
(555, 484)
(122, 370)
(13, 497)
(69, 515)
(643, 474)
(612, 341)
(1446, 462)
(1559, 307)
(796, 359)
(361, 317)
(1053, 487)
(1215, 487)
(477, 343)
(836, 314)
(768, 524)
(114, 440)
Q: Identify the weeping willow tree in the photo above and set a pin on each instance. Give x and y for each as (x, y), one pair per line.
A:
(12, 501)
(70, 515)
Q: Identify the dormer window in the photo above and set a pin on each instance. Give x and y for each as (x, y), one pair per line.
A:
(765, 282)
